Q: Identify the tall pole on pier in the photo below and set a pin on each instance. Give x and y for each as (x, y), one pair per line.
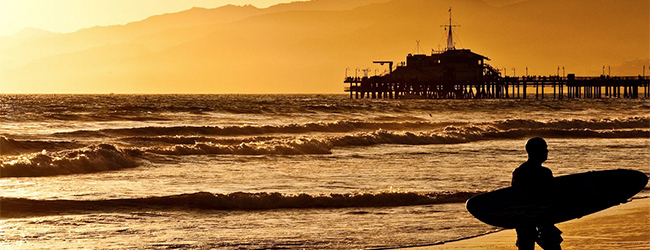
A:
(450, 37)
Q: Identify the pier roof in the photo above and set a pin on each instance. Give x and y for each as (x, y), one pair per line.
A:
(461, 52)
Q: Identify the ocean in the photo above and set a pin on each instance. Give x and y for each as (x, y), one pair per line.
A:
(282, 171)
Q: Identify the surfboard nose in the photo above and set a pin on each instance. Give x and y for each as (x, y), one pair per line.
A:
(620, 185)
(637, 180)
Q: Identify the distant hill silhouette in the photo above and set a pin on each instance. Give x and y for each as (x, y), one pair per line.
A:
(305, 47)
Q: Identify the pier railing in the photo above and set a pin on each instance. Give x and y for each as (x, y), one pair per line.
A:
(520, 87)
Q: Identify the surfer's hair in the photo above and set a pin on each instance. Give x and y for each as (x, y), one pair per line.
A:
(535, 144)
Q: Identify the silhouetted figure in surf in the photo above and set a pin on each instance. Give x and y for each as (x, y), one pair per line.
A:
(532, 175)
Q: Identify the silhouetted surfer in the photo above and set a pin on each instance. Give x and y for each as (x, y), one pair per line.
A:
(532, 174)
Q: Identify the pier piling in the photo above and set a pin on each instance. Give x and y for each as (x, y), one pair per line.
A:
(384, 87)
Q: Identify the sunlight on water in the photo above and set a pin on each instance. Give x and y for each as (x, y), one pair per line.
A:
(124, 156)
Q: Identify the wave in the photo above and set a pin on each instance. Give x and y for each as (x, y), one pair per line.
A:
(12, 146)
(20, 207)
(324, 145)
(90, 159)
(357, 126)
(108, 157)
(622, 123)
(293, 128)
(464, 134)
(155, 140)
(273, 147)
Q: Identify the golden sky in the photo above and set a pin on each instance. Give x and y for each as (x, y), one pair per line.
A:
(64, 16)
(305, 47)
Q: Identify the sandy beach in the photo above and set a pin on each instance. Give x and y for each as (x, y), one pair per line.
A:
(626, 226)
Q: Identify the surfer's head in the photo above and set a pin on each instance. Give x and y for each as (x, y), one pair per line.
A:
(537, 149)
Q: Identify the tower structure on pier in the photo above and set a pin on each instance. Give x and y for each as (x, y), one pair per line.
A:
(441, 74)
(450, 36)
(460, 73)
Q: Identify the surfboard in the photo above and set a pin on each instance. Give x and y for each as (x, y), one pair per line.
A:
(565, 198)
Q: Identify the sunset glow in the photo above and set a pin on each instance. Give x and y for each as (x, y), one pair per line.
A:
(324, 124)
(300, 47)
(64, 16)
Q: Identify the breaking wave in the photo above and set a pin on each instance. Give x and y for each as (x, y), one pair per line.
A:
(293, 128)
(272, 147)
(631, 122)
(107, 157)
(90, 159)
(453, 134)
(450, 135)
(20, 207)
(11, 146)
(360, 126)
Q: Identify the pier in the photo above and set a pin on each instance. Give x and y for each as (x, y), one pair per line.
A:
(540, 87)
(462, 74)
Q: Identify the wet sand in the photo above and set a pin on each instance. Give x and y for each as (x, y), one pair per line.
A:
(626, 226)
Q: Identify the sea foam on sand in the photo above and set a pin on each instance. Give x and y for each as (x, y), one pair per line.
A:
(622, 227)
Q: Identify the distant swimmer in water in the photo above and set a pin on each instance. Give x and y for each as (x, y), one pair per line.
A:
(532, 175)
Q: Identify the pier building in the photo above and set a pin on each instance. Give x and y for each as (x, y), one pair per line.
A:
(462, 74)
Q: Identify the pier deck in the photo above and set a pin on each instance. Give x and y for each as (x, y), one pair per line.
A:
(556, 87)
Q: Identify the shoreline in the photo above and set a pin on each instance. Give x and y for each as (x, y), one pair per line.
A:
(620, 227)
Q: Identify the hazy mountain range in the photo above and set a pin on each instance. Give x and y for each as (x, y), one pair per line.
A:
(306, 47)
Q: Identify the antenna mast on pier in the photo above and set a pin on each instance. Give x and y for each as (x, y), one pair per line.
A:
(450, 37)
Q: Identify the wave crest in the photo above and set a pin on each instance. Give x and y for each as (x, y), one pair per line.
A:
(90, 159)
(272, 147)
(20, 207)
(464, 134)
(11, 146)
(360, 126)
(622, 123)
(292, 128)
(324, 145)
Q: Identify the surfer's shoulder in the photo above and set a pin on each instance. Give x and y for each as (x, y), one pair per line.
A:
(529, 170)
(524, 166)
(547, 171)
